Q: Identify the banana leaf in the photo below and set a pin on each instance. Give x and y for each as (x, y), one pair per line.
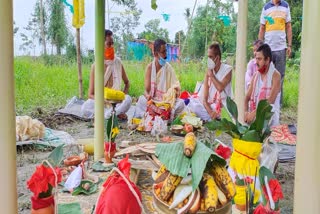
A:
(171, 155)
(80, 190)
(69, 208)
(56, 156)
(198, 163)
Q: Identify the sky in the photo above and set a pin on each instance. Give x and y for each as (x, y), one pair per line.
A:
(22, 10)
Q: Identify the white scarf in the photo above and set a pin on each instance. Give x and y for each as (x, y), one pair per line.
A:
(114, 67)
(161, 81)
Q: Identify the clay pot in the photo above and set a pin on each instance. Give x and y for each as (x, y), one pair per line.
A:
(108, 156)
(46, 210)
(46, 204)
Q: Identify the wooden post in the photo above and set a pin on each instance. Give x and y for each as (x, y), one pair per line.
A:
(43, 35)
(307, 170)
(99, 79)
(79, 63)
(8, 202)
(241, 59)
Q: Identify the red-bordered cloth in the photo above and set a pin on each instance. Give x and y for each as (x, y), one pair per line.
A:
(153, 111)
(282, 134)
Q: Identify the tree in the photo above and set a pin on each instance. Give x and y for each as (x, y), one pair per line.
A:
(296, 22)
(207, 27)
(41, 18)
(254, 12)
(26, 45)
(33, 32)
(179, 37)
(124, 25)
(153, 31)
(15, 29)
(57, 29)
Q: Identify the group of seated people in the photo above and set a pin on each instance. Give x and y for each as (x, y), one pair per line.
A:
(262, 82)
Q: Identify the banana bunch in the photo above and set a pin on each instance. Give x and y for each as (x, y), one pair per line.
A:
(223, 180)
(111, 94)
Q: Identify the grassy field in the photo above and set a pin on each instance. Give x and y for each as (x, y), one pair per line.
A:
(50, 86)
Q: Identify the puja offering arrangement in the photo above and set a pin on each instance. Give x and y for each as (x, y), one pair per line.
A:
(192, 179)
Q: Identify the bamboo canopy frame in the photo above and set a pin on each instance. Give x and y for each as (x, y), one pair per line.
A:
(307, 173)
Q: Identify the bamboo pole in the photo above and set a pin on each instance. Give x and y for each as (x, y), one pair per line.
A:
(43, 35)
(307, 170)
(241, 58)
(79, 63)
(8, 202)
(98, 79)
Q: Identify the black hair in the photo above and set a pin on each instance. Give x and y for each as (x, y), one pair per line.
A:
(215, 47)
(157, 45)
(266, 51)
(258, 42)
(107, 33)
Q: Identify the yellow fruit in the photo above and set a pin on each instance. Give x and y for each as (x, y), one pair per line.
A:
(111, 94)
(169, 185)
(209, 191)
(223, 180)
(89, 148)
(190, 144)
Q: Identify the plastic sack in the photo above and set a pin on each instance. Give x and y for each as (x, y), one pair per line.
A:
(74, 179)
(159, 126)
(269, 156)
(116, 196)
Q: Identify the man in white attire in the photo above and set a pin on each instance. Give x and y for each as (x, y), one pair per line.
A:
(159, 78)
(265, 84)
(216, 87)
(114, 74)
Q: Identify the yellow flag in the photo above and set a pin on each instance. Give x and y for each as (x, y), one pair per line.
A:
(78, 18)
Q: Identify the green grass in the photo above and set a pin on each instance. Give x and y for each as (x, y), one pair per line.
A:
(38, 85)
(50, 86)
(291, 88)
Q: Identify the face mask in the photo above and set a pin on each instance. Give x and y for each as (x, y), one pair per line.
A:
(162, 61)
(263, 69)
(211, 63)
(109, 53)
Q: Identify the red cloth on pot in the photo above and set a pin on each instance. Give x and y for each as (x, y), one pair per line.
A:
(39, 203)
(116, 197)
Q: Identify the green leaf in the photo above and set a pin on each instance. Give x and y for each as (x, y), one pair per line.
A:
(198, 163)
(232, 108)
(223, 125)
(225, 114)
(56, 156)
(214, 125)
(171, 155)
(251, 135)
(154, 5)
(263, 114)
(80, 190)
(242, 128)
(69, 208)
(230, 128)
(177, 121)
(110, 123)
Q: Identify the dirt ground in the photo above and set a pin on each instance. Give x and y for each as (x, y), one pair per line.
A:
(30, 156)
